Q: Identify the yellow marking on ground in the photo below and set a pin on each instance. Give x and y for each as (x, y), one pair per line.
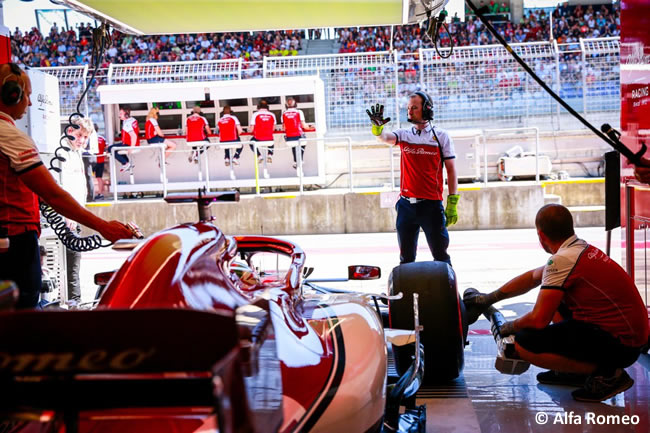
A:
(469, 188)
(99, 204)
(278, 196)
(556, 182)
(371, 192)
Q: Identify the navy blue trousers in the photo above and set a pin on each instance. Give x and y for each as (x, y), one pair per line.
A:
(428, 215)
(22, 265)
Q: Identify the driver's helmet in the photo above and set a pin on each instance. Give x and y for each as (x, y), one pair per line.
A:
(246, 274)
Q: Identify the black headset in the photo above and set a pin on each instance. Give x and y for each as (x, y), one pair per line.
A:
(12, 91)
(427, 105)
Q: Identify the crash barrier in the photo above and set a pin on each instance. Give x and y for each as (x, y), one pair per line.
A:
(478, 86)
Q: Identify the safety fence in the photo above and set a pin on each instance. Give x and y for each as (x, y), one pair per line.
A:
(475, 87)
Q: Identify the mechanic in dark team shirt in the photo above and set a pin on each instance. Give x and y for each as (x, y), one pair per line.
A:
(426, 150)
(23, 178)
(600, 323)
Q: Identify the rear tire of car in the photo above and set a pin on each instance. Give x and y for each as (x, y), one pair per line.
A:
(442, 316)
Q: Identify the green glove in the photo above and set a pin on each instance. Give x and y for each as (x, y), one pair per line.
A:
(376, 114)
(450, 211)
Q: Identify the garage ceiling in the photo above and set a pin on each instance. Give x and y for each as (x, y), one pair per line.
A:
(152, 17)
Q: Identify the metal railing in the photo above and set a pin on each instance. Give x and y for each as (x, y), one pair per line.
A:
(501, 131)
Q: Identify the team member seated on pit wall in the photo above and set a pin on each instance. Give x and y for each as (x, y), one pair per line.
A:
(154, 134)
(262, 125)
(425, 149)
(293, 123)
(23, 179)
(198, 130)
(229, 132)
(600, 322)
(130, 137)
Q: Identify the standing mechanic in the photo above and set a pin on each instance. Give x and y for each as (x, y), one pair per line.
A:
(23, 178)
(600, 323)
(425, 149)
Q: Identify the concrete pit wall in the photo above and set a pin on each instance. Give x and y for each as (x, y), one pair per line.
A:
(502, 207)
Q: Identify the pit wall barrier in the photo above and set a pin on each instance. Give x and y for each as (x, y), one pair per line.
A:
(497, 206)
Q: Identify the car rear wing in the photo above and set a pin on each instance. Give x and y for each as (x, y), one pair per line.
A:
(71, 361)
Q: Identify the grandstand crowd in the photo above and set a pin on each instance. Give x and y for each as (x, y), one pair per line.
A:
(73, 46)
(569, 25)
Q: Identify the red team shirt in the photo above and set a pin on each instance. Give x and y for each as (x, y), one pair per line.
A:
(101, 147)
(18, 204)
(228, 128)
(196, 128)
(422, 162)
(150, 128)
(593, 291)
(292, 120)
(264, 122)
(130, 125)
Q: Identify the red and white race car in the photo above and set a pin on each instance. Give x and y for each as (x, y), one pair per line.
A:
(202, 332)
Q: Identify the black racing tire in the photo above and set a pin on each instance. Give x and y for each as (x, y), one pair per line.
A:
(442, 316)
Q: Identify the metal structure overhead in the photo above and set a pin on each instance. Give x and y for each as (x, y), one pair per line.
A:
(151, 17)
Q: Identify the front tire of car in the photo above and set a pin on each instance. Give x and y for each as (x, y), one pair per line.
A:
(442, 316)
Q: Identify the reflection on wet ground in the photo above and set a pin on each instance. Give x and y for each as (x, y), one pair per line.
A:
(518, 404)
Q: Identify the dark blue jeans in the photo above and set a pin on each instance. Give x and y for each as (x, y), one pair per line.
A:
(22, 265)
(428, 215)
(122, 158)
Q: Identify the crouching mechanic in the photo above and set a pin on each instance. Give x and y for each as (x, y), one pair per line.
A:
(600, 322)
(425, 149)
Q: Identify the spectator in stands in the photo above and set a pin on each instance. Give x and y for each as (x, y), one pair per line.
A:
(154, 134)
(130, 137)
(293, 123)
(98, 166)
(198, 130)
(261, 126)
(229, 132)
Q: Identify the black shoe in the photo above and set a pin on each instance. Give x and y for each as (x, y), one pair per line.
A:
(552, 377)
(473, 310)
(599, 388)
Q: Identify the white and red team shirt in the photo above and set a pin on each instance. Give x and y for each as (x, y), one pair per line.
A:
(597, 291)
(422, 162)
(228, 128)
(128, 126)
(18, 154)
(101, 148)
(150, 128)
(292, 119)
(196, 127)
(264, 123)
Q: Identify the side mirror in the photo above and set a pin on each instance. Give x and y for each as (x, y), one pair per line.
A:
(360, 272)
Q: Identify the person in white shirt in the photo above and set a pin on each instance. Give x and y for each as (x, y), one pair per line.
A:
(73, 180)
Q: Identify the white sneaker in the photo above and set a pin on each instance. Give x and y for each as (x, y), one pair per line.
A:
(269, 159)
(126, 167)
(227, 162)
(260, 159)
(235, 161)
